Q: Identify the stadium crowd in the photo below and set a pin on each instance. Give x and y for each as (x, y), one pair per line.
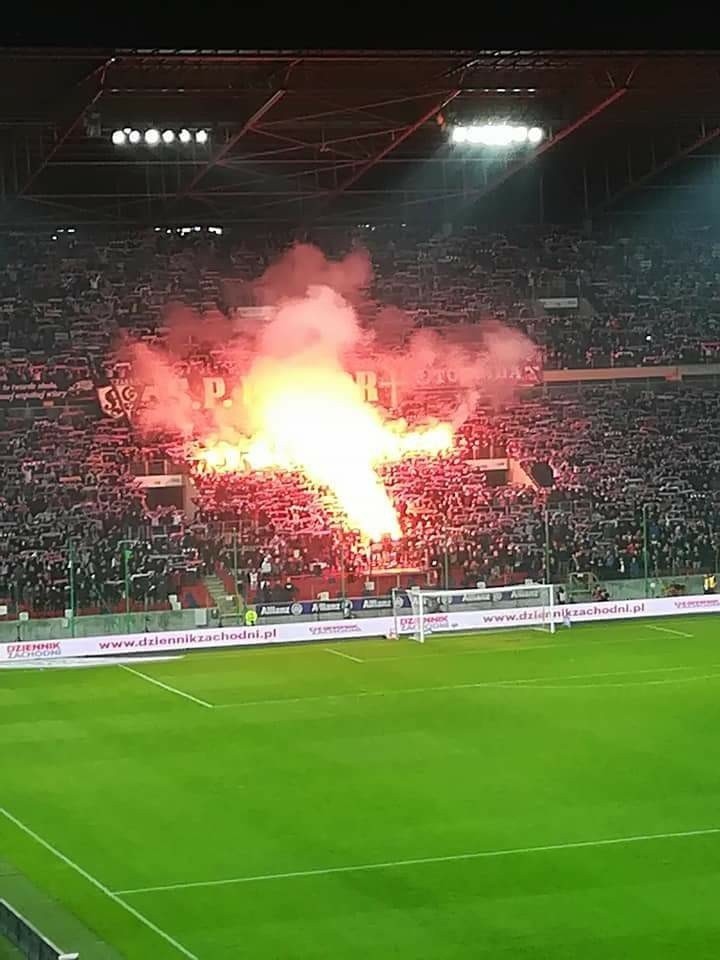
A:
(639, 300)
(615, 452)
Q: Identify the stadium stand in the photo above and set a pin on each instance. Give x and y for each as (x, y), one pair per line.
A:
(67, 469)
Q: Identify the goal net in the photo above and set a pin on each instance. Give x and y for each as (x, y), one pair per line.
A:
(423, 612)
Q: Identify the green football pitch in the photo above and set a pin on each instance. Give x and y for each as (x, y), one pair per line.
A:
(507, 795)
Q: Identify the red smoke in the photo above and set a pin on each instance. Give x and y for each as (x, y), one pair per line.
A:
(304, 266)
(295, 403)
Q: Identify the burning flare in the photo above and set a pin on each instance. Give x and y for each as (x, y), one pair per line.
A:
(316, 419)
(302, 410)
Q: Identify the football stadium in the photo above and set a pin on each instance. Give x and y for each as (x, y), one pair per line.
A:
(359, 515)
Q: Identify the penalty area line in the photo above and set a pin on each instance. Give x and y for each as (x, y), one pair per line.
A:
(419, 861)
(115, 897)
(521, 683)
(559, 644)
(166, 686)
(345, 656)
(675, 633)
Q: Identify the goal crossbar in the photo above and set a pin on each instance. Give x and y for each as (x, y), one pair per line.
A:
(429, 611)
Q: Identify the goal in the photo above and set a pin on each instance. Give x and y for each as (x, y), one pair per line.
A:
(424, 612)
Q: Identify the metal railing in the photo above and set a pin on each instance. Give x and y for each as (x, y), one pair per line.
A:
(27, 938)
(99, 625)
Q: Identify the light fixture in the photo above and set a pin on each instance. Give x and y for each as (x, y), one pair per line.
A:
(496, 134)
(152, 136)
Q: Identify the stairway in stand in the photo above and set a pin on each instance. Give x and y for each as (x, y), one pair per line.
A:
(218, 591)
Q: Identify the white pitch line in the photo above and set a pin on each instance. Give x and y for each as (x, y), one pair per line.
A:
(453, 858)
(345, 656)
(606, 686)
(675, 633)
(166, 686)
(555, 645)
(410, 658)
(303, 649)
(115, 897)
(449, 688)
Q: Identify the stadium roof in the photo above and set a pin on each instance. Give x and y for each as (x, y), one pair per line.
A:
(303, 136)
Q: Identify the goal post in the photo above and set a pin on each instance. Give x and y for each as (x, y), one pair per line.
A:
(423, 611)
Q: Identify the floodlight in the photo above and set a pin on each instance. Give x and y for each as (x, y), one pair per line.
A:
(201, 136)
(168, 136)
(118, 137)
(184, 136)
(152, 137)
(134, 136)
(496, 134)
(504, 135)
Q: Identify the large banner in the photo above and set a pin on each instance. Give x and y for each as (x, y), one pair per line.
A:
(121, 397)
(318, 608)
(118, 399)
(44, 392)
(159, 481)
(342, 608)
(351, 606)
(456, 620)
(559, 303)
